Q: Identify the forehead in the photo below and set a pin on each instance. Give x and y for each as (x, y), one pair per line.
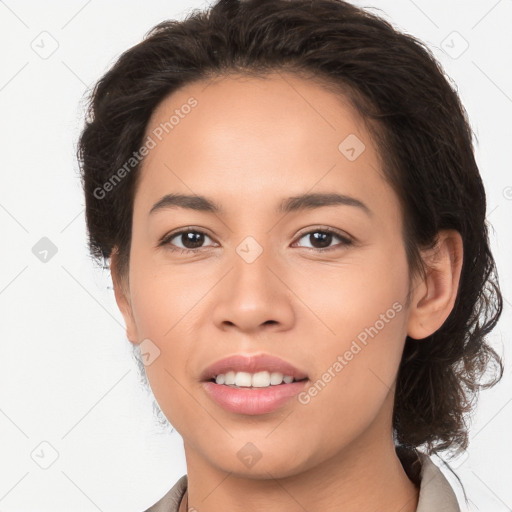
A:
(250, 137)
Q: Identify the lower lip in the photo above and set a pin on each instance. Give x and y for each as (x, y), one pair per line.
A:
(253, 401)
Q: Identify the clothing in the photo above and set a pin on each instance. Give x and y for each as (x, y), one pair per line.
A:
(436, 494)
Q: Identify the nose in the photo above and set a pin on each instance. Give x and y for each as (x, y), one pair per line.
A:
(253, 296)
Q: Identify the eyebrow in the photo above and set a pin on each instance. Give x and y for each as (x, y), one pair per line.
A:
(291, 204)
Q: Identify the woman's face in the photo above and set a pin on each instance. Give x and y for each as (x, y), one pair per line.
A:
(262, 275)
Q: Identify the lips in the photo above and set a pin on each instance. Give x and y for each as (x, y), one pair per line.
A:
(252, 400)
(251, 364)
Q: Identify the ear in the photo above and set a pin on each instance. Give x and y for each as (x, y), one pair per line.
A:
(434, 295)
(122, 294)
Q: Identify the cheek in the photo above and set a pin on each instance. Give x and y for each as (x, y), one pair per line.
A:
(162, 297)
(356, 358)
(165, 305)
(161, 315)
(354, 377)
(363, 291)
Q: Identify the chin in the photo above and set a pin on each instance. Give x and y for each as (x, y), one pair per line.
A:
(253, 460)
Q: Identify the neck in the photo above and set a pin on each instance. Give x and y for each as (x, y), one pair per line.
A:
(362, 478)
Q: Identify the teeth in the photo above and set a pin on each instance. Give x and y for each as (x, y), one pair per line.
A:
(256, 380)
(276, 378)
(261, 380)
(229, 378)
(243, 379)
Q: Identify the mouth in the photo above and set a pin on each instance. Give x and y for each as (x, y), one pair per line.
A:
(252, 370)
(252, 385)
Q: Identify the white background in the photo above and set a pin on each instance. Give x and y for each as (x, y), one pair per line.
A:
(68, 378)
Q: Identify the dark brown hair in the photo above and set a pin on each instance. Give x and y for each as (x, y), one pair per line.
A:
(424, 140)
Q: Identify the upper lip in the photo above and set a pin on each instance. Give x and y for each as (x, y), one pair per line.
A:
(251, 363)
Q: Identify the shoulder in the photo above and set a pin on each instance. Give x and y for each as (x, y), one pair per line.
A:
(436, 493)
(170, 502)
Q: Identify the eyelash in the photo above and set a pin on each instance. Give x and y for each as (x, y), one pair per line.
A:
(165, 240)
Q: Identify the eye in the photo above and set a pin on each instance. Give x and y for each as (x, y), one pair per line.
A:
(192, 239)
(321, 238)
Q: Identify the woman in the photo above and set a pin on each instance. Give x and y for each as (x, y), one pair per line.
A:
(288, 196)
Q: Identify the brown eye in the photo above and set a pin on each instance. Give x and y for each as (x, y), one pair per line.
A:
(192, 240)
(321, 239)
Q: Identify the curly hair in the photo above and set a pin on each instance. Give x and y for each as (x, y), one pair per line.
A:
(424, 140)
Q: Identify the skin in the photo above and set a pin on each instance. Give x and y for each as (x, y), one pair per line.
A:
(248, 144)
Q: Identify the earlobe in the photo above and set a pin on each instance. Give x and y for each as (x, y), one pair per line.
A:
(122, 295)
(434, 295)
